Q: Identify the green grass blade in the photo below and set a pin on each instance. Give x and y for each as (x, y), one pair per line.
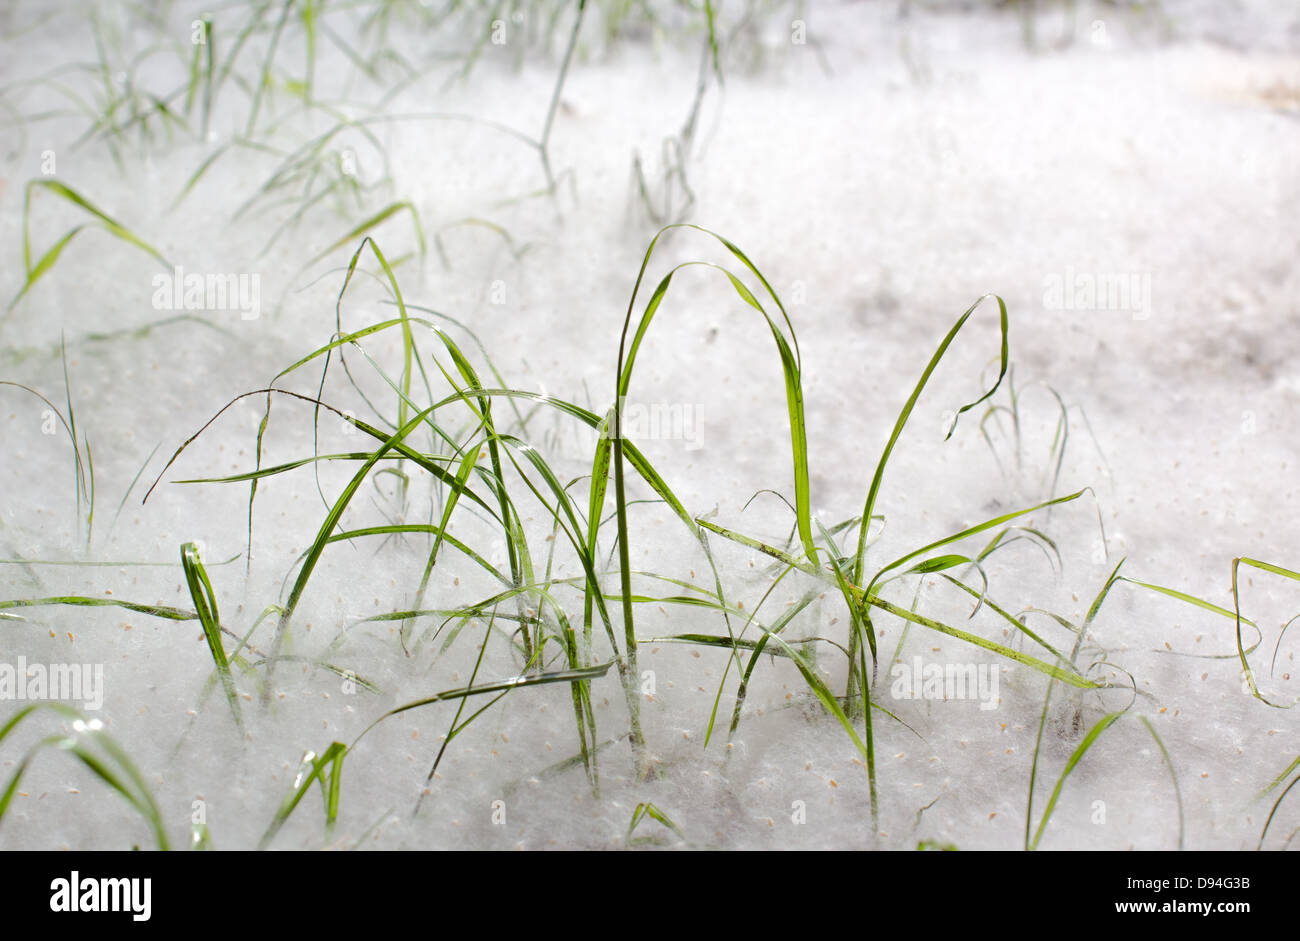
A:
(326, 768)
(1173, 776)
(906, 413)
(1236, 600)
(1088, 741)
(205, 605)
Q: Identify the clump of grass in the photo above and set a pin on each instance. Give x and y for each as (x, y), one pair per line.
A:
(470, 444)
(478, 467)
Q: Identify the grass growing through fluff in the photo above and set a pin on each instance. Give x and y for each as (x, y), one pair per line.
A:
(575, 630)
(470, 443)
(478, 466)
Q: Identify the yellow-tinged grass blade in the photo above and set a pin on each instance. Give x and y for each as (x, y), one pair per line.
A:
(641, 812)
(1273, 812)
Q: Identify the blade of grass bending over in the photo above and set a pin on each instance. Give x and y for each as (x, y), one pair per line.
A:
(205, 604)
(905, 414)
(33, 272)
(790, 362)
(1006, 616)
(1033, 536)
(1206, 605)
(1236, 601)
(626, 363)
(408, 340)
(1272, 666)
(89, 473)
(940, 564)
(80, 473)
(501, 382)
(860, 560)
